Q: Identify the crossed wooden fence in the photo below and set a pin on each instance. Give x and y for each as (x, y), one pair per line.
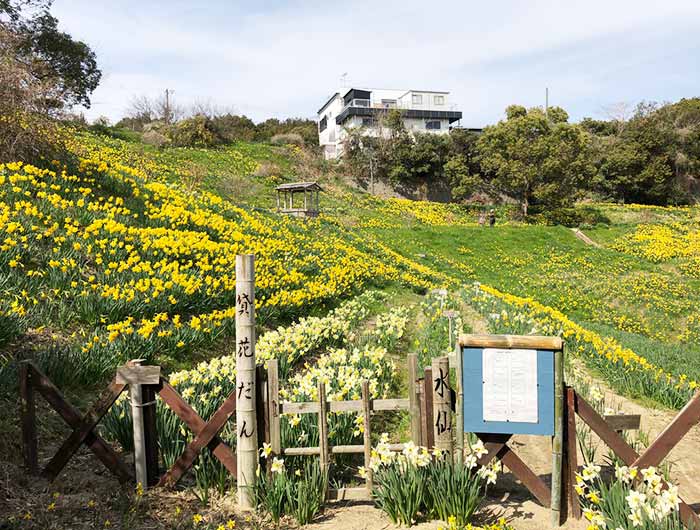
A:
(421, 404)
(84, 426)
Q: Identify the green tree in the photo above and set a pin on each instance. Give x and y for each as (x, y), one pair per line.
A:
(69, 66)
(462, 169)
(534, 159)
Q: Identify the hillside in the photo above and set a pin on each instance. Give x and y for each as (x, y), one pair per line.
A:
(134, 248)
(125, 251)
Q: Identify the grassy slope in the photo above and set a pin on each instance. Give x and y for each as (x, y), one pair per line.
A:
(644, 304)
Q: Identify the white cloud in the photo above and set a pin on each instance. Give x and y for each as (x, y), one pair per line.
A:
(284, 60)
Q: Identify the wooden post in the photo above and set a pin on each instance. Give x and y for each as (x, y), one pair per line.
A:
(138, 427)
(323, 430)
(367, 435)
(571, 456)
(262, 407)
(428, 418)
(442, 409)
(246, 424)
(278, 200)
(273, 389)
(150, 433)
(413, 404)
(459, 406)
(28, 415)
(558, 440)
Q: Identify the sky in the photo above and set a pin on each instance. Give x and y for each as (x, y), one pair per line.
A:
(271, 58)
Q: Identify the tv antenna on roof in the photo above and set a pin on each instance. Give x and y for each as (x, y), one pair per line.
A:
(343, 80)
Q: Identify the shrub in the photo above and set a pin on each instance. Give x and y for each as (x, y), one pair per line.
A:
(287, 139)
(197, 131)
(155, 138)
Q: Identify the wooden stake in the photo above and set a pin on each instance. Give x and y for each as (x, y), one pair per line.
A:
(28, 415)
(367, 435)
(136, 398)
(246, 424)
(413, 403)
(428, 418)
(558, 440)
(571, 456)
(273, 388)
(442, 409)
(459, 355)
(323, 430)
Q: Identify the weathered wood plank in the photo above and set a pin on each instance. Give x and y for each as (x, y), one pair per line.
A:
(138, 375)
(532, 342)
(622, 449)
(429, 419)
(413, 399)
(367, 436)
(201, 440)
(273, 389)
(497, 446)
(571, 455)
(80, 432)
(624, 422)
(150, 433)
(349, 494)
(72, 417)
(188, 415)
(671, 435)
(28, 419)
(604, 431)
(442, 411)
(305, 407)
(389, 404)
(324, 451)
(302, 451)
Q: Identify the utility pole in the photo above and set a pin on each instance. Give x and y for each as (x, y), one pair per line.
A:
(546, 101)
(167, 115)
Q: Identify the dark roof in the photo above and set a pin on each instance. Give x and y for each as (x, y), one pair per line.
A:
(327, 102)
(299, 186)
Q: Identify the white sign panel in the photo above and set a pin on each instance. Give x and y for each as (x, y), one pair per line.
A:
(510, 385)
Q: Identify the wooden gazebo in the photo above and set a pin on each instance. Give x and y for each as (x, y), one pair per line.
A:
(285, 198)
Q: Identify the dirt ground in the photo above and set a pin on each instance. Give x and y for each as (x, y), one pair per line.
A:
(86, 496)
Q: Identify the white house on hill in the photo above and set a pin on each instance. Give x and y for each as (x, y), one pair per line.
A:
(422, 111)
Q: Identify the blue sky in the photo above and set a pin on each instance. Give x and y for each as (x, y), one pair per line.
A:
(283, 59)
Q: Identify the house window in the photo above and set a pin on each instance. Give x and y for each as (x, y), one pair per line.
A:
(367, 122)
(432, 125)
(322, 124)
(389, 103)
(439, 100)
(417, 99)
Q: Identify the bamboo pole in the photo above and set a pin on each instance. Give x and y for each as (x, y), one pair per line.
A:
(246, 428)
(558, 440)
(442, 410)
(413, 403)
(459, 406)
(367, 435)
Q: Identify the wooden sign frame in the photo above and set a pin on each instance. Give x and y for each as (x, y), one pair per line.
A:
(496, 442)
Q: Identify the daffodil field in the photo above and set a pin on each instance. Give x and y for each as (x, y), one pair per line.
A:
(122, 251)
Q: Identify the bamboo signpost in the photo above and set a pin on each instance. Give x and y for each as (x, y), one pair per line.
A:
(246, 421)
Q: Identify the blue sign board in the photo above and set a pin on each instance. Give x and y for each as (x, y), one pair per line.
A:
(473, 390)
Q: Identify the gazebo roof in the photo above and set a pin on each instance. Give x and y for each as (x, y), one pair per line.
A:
(299, 186)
